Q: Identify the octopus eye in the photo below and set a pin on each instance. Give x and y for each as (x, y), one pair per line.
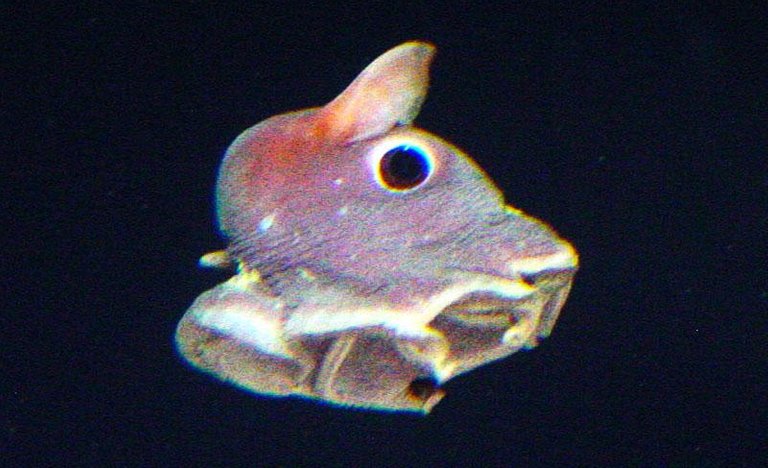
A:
(404, 167)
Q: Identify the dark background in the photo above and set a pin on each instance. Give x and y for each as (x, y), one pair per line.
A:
(638, 131)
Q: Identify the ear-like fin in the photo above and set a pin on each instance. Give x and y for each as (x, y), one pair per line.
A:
(388, 92)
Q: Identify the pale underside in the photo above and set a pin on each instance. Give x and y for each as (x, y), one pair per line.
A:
(360, 350)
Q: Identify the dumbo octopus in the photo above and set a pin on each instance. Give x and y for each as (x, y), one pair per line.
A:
(374, 260)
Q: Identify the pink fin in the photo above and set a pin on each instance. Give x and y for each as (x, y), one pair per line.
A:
(388, 92)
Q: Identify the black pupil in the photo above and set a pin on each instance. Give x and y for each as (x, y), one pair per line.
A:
(404, 167)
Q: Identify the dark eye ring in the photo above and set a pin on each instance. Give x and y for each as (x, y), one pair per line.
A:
(404, 167)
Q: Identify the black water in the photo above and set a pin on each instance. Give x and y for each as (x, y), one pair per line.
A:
(639, 132)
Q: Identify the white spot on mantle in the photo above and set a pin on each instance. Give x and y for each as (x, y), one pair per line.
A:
(266, 223)
(343, 210)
